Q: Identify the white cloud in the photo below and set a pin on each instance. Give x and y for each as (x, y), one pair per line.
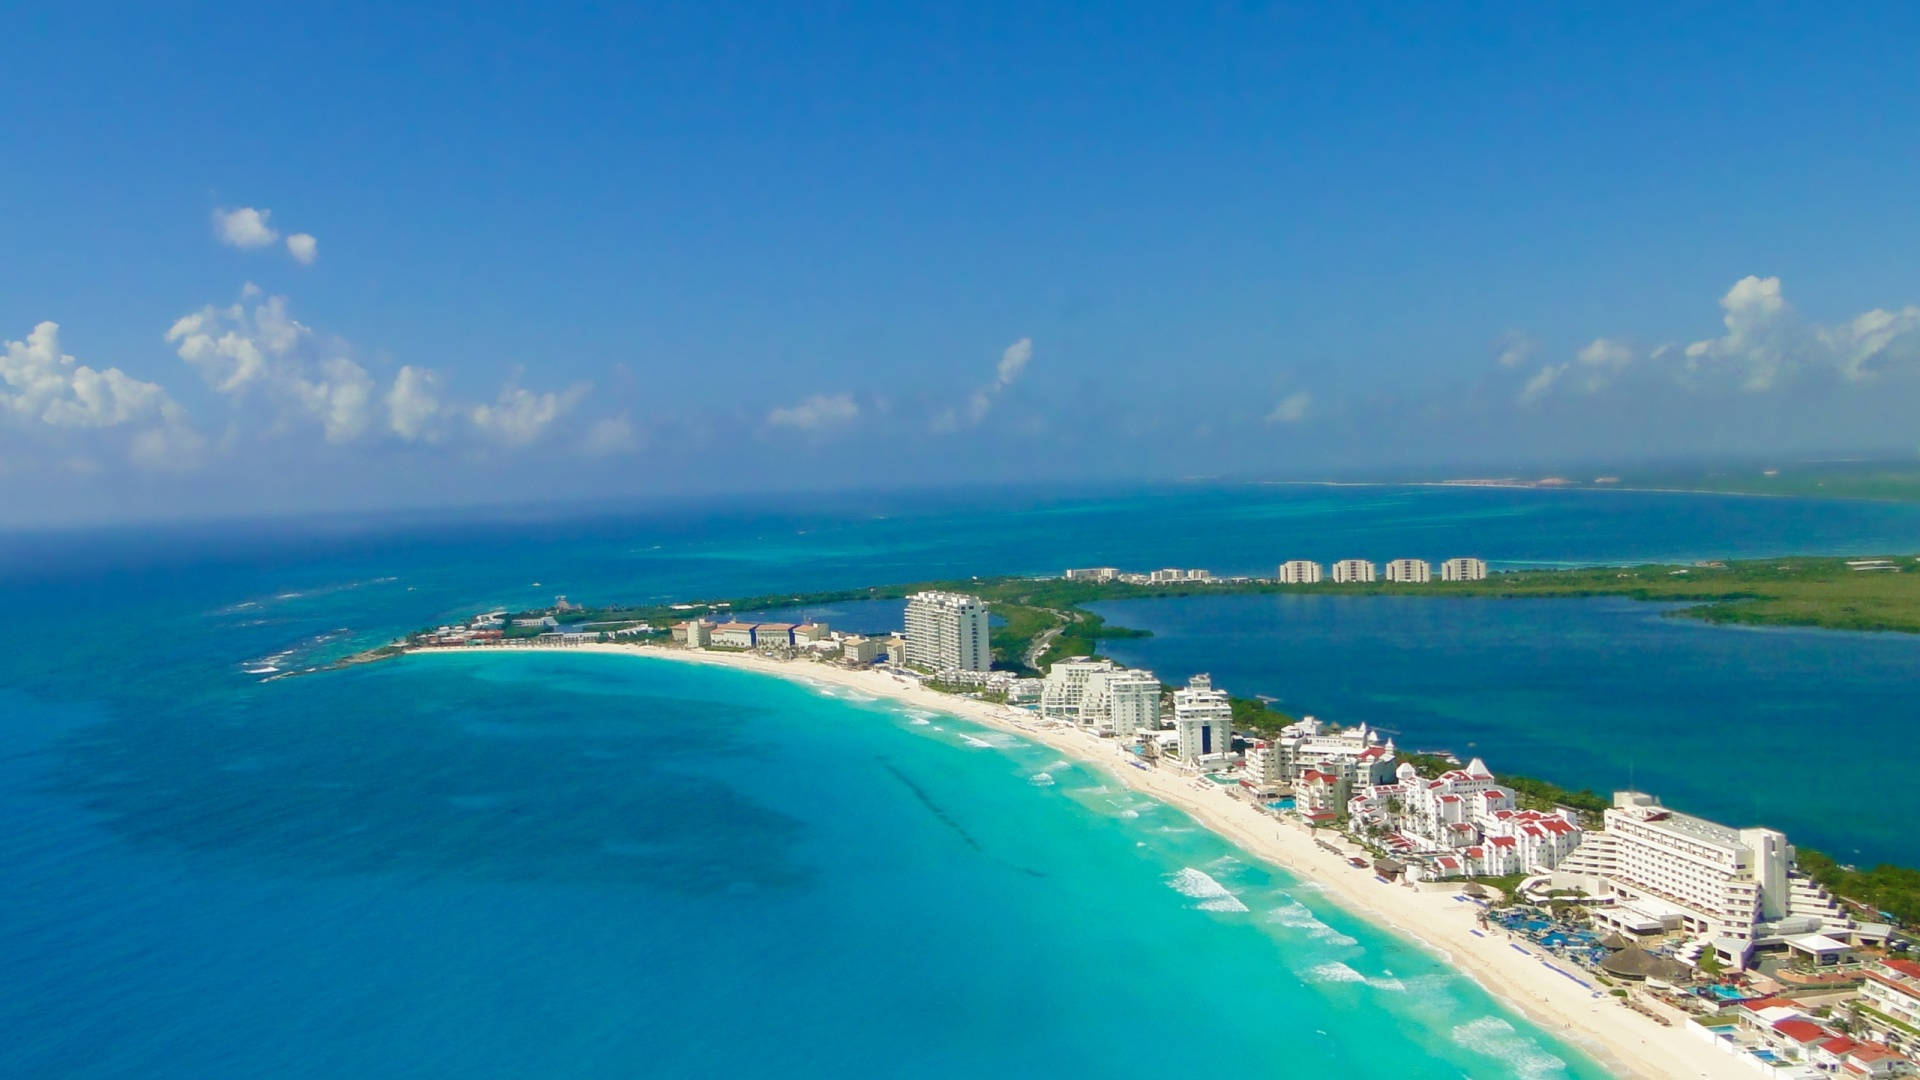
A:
(1541, 382)
(413, 404)
(521, 416)
(609, 436)
(1759, 335)
(39, 384)
(304, 248)
(244, 227)
(1765, 344)
(275, 367)
(1292, 409)
(1013, 362)
(1516, 348)
(817, 413)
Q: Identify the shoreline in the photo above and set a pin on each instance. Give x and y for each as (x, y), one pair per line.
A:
(1617, 1038)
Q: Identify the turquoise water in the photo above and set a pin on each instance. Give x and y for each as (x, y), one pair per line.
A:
(536, 865)
(585, 865)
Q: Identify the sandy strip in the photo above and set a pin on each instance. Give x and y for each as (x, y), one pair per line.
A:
(1624, 1041)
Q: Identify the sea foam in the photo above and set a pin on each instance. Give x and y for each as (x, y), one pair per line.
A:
(1497, 1039)
(1201, 886)
(1333, 971)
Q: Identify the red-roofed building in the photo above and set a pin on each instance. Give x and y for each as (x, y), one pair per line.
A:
(1892, 989)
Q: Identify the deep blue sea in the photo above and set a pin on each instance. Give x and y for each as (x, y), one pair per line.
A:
(517, 865)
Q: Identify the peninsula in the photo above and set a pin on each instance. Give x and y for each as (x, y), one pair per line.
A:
(1662, 938)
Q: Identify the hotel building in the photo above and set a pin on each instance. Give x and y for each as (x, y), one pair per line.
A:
(1463, 570)
(948, 632)
(1410, 571)
(733, 635)
(1066, 685)
(1299, 572)
(1125, 702)
(1666, 870)
(1353, 571)
(1097, 573)
(1203, 722)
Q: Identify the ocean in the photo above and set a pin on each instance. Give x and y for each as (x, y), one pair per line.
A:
(553, 865)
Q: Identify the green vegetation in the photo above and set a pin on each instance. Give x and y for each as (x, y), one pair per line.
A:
(1530, 793)
(1886, 481)
(1258, 716)
(1892, 889)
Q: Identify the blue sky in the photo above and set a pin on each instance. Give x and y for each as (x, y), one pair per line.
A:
(713, 247)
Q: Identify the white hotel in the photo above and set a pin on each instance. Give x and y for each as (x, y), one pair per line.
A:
(1410, 571)
(1299, 572)
(1463, 570)
(1203, 720)
(1353, 571)
(1101, 696)
(947, 632)
(1666, 870)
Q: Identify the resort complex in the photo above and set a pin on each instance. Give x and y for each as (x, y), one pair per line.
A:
(1295, 572)
(1711, 928)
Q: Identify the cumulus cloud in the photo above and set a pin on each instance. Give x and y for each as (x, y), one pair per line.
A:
(304, 248)
(1013, 362)
(1765, 344)
(1516, 348)
(250, 229)
(520, 416)
(260, 355)
(1291, 409)
(279, 374)
(413, 404)
(244, 227)
(41, 385)
(817, 413)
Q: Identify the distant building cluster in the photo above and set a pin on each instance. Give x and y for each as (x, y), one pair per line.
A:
(1298, 572)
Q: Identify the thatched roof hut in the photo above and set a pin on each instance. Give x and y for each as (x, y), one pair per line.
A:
(1616, 940)
(1475, 890)
(1634, 962)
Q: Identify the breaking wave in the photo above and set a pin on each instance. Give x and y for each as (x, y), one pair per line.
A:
(1497, 1039)
(1200, 886)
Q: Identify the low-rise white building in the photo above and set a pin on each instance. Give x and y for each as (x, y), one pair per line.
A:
(1353, 571)
(1095, 573)
(734, 635)
(856, 649)
(1893, 990)
(773, 635)
(1409, 571)
(1463, 570)
(1299, 572)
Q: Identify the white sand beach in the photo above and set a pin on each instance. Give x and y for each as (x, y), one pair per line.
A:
(1621, 1039)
